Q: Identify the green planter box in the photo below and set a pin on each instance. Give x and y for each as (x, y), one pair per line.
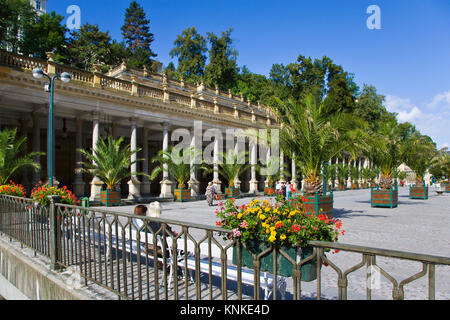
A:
(447, 187)
(110, 197)
(232, 192)
(269, 191)
(284, 267)
(319, 204)
(416, 192)
(182, 195)
(384, 198)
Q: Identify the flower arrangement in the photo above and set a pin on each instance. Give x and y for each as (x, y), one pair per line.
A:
(41, 192)
(277, 223)
(12, 189)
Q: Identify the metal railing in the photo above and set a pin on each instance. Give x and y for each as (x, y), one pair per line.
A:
(112, 250)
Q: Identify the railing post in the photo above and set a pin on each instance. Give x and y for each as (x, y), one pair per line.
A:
(54, 234)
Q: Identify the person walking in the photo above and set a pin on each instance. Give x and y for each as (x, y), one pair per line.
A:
(288, 190)
(210, 193)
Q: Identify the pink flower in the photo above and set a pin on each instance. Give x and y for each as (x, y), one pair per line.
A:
(236, 232)
(244, 224)
(216, 212)
(220, 203)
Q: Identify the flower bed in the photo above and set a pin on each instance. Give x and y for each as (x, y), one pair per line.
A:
(276, 223)
(13, 189)
(41, 192)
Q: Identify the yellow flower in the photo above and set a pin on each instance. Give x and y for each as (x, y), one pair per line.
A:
(272, 238)
(272, 229)
(239, 216)
(283, 237)
(262, 217)
(267, 209)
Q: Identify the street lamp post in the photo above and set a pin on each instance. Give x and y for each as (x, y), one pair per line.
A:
(64, 77)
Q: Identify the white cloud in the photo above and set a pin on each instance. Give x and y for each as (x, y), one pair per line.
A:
(432, 119)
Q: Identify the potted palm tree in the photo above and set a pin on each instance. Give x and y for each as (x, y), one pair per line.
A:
(365, 175)
(343, 171)
(230, 169)
(314, 135)
(388, 155)
(178, 164)
(440, 168)
(354, 174)
(11, 160)
(111, 164)
(420, 151)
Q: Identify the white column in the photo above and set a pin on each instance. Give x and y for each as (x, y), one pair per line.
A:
(145, 186)
(281, 166)
(294, 180)
(134, 185)
(79, 184)
(237, 182)
(216, 181)
(166, 184)
(253, 160)
(266, 182)
(193, 183)
(96, 183)
(36, 145)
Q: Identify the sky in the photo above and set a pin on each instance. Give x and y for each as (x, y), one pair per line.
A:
(406, 57)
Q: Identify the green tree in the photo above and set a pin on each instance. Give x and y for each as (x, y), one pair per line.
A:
(190, 48)
(109, 162)
(137, 36)
(253, 86)
(419, 152)
(222, 69)
(46, 34)
(15, 15)
(89, 46)
(11, 160)
(370, 105)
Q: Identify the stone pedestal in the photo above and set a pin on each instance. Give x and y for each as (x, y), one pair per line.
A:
(253, 186)
(194, 185)
(96, 188)
(134, 189)
(166, 188)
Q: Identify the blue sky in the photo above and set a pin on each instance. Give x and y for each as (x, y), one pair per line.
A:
(407, 60)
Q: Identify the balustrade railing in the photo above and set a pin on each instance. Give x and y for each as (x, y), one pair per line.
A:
(132, 256)
(177, 93)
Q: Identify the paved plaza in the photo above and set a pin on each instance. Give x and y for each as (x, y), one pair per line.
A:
(419, 226)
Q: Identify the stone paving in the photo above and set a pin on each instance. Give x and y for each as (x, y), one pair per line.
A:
(419, 226)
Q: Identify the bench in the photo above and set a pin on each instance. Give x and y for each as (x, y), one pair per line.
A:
(189, 261)
(439, 192)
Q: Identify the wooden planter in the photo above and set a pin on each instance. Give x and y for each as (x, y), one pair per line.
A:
(182, 195)
(232, 192)
(447, 187)
(355, 186)
(384, 198)
(269, 191)
(284, 267)
(342, 187)
(418, 192)
(110, 197)
(319, 204)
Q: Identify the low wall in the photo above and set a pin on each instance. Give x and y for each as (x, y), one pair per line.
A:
(24, 276)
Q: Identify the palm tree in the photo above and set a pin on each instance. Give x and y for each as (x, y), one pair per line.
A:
(388, 152)
(354, 174)
(178, 164)
(343, 171)
(109, 162)
(313, 135)
(440, 164)
(231, 167)
(420, 152)
(11, 162)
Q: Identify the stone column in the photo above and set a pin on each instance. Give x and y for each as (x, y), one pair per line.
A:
(237, 182)
(145, 186)
(78, 185)
(216, 181)
(193, 183)
(134, 185)
(253, 160)
(166, 184)
(281, 166)
(24, 132)
(36, 145)
(266, 182)
(294, 180)
(96, 183)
